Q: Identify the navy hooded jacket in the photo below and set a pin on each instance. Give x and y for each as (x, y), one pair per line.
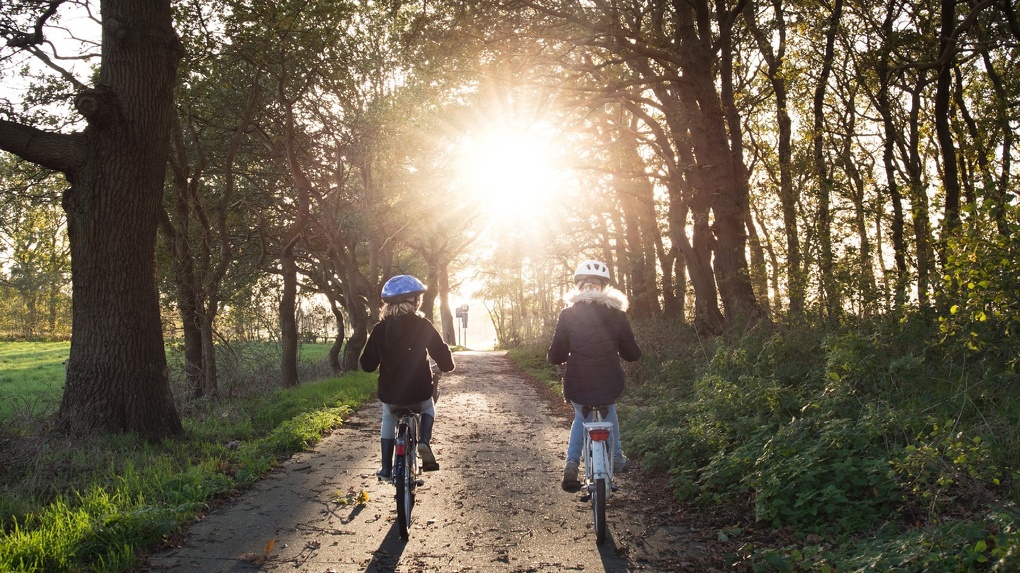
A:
(592, 335)
(400, 346)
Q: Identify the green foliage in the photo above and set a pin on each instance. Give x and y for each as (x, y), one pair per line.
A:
(873, 437)
(982, 312)
(820, 474)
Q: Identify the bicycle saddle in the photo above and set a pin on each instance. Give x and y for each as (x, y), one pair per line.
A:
(602, 409)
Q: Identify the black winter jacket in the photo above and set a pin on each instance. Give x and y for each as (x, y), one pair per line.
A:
(399, 346)
(592, 335)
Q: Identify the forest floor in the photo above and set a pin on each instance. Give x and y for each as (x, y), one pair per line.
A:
(495, 505)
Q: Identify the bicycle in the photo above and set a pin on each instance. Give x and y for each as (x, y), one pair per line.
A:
(405, 464)
(406, 469)
(598, 466)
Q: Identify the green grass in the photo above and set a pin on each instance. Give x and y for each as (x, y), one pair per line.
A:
(32, 373)
(31, 376)
(532, 360)
(96, 503)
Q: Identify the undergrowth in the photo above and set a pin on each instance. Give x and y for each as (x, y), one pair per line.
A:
(876, 446)
(897, 450)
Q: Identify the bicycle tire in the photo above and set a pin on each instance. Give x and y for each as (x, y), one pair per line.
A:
(598, 506)
(405, 483)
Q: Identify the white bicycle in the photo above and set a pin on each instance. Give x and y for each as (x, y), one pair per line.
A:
(598, 465)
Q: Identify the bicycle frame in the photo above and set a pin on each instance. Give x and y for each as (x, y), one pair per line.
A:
(598, 468)
(599, 445)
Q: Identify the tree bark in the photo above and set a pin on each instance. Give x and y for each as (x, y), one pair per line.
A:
(116, 372)
(943, 95)
(830, 288)
(789, 197)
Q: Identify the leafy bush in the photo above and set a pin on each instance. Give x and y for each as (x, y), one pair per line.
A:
(878, 436)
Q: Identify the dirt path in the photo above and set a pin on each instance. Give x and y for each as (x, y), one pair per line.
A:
(495, 505)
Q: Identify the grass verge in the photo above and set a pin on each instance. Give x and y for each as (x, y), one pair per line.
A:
(96, 503)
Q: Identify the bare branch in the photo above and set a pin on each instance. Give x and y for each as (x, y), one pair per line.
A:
(26, 40)
(68, 76)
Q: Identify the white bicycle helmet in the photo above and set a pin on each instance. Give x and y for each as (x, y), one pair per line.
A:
(592, 269)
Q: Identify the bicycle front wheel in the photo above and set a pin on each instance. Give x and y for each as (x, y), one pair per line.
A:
(598, 506)
(405, 496)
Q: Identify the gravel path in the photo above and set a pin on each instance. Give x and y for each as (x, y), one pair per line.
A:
(496, 504)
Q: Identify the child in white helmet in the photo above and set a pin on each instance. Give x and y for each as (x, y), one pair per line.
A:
(592, 335)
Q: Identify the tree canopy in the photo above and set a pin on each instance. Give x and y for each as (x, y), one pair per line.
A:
(732, 162)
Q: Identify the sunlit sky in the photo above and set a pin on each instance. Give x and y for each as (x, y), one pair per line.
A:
(511, 171)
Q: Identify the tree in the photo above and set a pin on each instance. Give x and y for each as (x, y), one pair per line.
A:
(116, 372)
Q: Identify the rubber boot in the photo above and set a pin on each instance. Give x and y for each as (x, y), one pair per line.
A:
(570, 483)
(428, 459)
(387, 459)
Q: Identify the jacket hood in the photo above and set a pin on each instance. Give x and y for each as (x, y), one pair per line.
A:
(608, 297)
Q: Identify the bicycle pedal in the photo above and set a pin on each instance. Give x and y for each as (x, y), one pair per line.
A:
(419, 482)
(614, 488)
(586, 497)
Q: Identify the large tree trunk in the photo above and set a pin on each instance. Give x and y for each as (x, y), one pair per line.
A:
(116, 372)
(943, 96)
(358, 310)
(176, 233)
(883, 103)
(362, 303)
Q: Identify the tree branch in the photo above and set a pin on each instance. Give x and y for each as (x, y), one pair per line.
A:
(56, 151)
(24, 40)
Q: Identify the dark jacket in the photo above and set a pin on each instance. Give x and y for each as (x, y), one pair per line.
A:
(592, 335)
(399, 346)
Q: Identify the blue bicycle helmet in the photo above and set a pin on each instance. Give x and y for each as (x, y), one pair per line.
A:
(400, 287)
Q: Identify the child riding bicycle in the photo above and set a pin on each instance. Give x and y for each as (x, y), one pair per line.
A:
(400, 345)
(592, 335)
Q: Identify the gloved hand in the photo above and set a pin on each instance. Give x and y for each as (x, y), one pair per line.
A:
(437, 375)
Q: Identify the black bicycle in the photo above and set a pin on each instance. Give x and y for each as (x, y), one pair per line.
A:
(405, 465)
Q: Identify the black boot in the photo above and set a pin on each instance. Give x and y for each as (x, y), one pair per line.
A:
(387, 459)
(428, 459)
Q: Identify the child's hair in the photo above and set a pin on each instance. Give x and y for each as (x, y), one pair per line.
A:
(590, 286)
(403, 306)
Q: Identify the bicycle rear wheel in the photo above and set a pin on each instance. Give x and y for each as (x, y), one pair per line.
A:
(406, 489)
(598, 506)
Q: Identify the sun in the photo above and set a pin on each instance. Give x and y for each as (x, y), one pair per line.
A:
(508, 173)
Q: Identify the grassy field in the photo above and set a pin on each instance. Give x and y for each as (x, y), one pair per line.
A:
(32, 373)
(31, 376)
(103, 500)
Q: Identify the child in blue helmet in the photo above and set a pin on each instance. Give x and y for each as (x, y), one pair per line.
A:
(400, 346)
(592, 335)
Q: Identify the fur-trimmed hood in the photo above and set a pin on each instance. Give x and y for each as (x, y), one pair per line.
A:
(608, 297)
